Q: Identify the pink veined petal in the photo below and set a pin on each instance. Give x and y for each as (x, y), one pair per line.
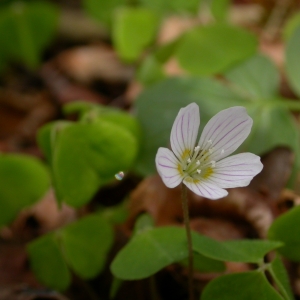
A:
(167, 167)
(226, 130)
(206, 189)
(236, 170)
(185, 130)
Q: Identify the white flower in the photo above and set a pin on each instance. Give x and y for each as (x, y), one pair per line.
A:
(203, 168)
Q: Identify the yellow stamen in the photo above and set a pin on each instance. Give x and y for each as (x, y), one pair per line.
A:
(185, 153)
(179, 168)
(191, 180)
(208, 172)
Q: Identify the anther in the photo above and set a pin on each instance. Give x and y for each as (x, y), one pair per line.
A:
(213, 163)
(197, 148)
(189, 160)
(209, 141)
(198, 171)
(198, 162)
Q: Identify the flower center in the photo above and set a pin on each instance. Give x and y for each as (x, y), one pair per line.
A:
(198, 164)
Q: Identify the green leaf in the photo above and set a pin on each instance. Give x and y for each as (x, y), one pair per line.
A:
(150, 71)
(286, 229)
(91, 112)
(165, 51)
(102, 10)
(102, 132)
(156, 116)
(122, 119)
(23, 181)
(45, 141)
(26, 29)
(256, 77)
(47, 136)
(48, 263)
(115, 286)
(281, 278)
(240, 286)
(292, 60)
(214, 48)
(263, 137)
(86, 244)
(173, 6)
(219, 9)
(150, 251)
(291, 25)
(143, 222)
(90, 154)
(133, 30)
(42, 20)
(250, 251)
(81, 107)
(116, 214)
(205, 264)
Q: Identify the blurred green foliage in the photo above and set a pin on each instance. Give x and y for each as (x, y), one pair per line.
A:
(222, 67)
(134, 29)
(286, 229)
(87, 154)
(26, 28)
(201, 51)
(81, 246)
(255, 286)
(24, 181)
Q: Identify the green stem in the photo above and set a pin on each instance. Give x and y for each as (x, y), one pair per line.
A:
(278, 283)
(293, 105)
(154, 293)
(185, 209)
(88, 290)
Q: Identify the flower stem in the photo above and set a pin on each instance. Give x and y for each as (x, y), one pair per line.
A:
(185, 209)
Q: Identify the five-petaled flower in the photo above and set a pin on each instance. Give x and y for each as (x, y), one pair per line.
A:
(203, 168)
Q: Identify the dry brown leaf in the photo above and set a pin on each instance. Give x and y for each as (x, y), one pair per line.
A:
(14, 268)
(21, 114)
(41, 218)
(63, 90)
(88, 63)
(173, 27)
(76, 26)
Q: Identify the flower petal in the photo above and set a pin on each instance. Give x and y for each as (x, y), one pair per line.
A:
(236, 170)
(206, 189)
(185, 130)
(226, 131)
(167, 167)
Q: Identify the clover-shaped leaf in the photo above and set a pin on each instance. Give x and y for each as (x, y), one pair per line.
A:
(87, 154)
(287, 223)
(26, 29)
(240, 286)
(86, 244)
(201, 50)
(48, 263)
(250, 251)
(23, 181)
